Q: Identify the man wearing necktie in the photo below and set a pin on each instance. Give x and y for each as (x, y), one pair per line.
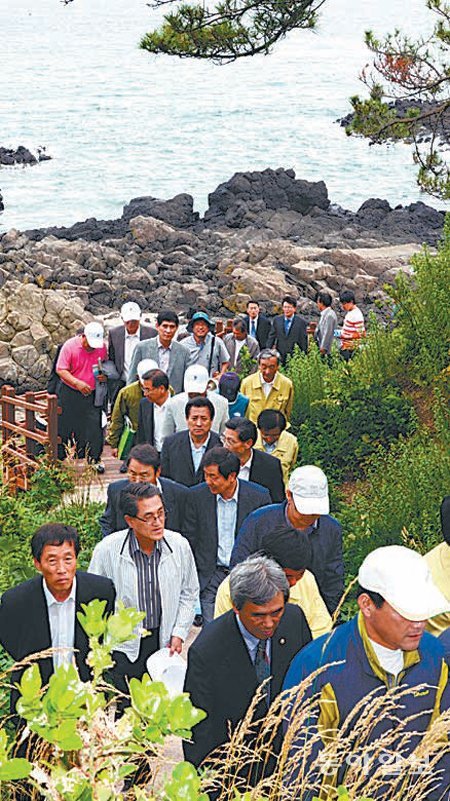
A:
(232, 656)
(257, 324)
(288, 330)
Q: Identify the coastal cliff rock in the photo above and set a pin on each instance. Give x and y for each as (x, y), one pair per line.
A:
(245, 246)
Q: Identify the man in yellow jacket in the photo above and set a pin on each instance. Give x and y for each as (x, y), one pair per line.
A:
(274, 439)
(267, 388)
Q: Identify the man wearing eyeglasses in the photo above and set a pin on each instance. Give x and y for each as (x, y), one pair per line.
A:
(152, 570)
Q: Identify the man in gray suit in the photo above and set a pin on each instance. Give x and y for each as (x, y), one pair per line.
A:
(122, 341)
(171, 356)
(235, 341)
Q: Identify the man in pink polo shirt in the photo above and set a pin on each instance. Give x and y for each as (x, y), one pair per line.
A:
(77, 366)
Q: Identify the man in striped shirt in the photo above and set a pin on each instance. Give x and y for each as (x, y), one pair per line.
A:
(353, 329)
(153, 570)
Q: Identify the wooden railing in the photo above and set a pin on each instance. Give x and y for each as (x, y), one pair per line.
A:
(24, 436)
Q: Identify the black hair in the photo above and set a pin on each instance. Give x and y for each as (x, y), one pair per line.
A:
(157, 377)
(240, 325)
(377, 599)
(289, 547)
(271, 418)
(324, 298)
(445, 519)
(133, 493)
(347, 296)
(199, 402)
(145, 454)
(245, 428)
(252, 301)
(226, 461)
(289, 299)
(167, 316)
(53, 534)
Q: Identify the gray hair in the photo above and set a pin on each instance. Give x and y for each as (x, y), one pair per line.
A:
(269, 353)
(257, 580)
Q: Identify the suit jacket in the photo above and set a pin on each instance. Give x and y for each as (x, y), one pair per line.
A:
(25, 627)
(200, 522)
(263, 327)
(285, 344)
(116, 343)
(230, 344)
(176, 458)
(146, 423)
(178, 361)
(267, 471)
(221, 677)
(174, 497)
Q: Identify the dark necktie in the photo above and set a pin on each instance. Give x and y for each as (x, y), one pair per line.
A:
(287, 325)
(253, 329)
(262, 667)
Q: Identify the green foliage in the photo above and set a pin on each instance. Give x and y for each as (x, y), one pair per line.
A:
(399, 501)
(422, 302)
(248, 364)
(73, 717)
(228, 30)
(341, 434)
(415, 71)
(11, 769)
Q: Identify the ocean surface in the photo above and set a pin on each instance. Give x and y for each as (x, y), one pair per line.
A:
(120, 123)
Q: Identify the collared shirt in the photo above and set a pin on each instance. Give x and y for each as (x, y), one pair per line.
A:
(252, 642)
(253, 325)
(226, 526)
(164, 356)
(61, 617)
(269, 448)
(131, 340)
(244, 472)
(266, 386)
(238, 345)
(390, 660)
(287, 324)
(200, 353)
(198, 453)
(159, 416)
(149, 596)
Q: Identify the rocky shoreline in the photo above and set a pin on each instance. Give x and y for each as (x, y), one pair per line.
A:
(264, 234)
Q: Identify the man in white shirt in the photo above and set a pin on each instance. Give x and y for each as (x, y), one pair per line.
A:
(195, 386)
(235, 341)
(41, 613)
(122, 342)
(153, 408)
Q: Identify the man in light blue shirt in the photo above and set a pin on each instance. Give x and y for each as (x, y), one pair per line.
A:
(205, 348)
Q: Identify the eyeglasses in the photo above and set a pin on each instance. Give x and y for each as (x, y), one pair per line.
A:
(154, 517)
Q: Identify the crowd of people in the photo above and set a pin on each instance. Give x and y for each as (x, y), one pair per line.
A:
(214, 524)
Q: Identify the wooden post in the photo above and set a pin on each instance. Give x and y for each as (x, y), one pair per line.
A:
(30, 424)
(52, 427)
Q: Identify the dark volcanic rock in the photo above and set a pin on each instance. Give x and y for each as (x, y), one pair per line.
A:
(92, 230)
(234, 200)
(178, 211)
(436, 124)
(21, 155)
(1, 202)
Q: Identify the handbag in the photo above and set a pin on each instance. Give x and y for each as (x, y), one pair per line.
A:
(126, 439)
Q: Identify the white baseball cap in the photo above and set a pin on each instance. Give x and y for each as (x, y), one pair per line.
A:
(94, 334)
(309, 487)
(402, 577)
(196, 378)
(145, 366)
(130, 311)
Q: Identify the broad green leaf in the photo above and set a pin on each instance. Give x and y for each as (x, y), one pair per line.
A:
(30, 683)
(13, 769)
(92, 618)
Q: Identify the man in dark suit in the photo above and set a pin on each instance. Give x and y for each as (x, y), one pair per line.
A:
(239, 437)
(171, 356)
(288, 330)
(153, 408)
(214, 513)
(42, 613)
(238, 651)
(122, 341)
(143, 464)
(258, 326)
(183, 452)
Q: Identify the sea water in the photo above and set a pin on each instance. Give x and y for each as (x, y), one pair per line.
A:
(120, 123)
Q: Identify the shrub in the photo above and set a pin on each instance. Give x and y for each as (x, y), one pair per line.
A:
(341, 434)
(422, 302)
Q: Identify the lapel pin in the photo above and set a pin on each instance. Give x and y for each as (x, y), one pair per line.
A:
(282, 641)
